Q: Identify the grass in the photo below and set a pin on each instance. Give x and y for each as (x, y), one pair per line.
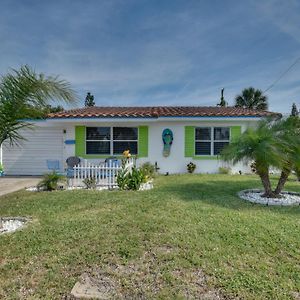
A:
(153, 243)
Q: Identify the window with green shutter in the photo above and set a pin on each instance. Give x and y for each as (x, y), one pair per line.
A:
(189, 137)
(99, 142)
(210, 141)
(143, 141)
(235, 132)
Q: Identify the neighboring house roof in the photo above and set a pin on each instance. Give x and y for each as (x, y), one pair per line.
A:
(159, 111)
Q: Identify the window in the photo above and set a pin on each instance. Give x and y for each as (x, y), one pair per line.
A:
(211, 140)
(125, 138)
(111, 140)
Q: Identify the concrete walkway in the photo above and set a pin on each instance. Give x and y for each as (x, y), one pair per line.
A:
(12, 184)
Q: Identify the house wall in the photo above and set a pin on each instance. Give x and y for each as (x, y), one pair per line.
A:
(176, 162)
(47, 141)
(30, 155)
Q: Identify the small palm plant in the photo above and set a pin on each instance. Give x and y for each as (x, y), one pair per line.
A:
(50, 181)
(287, 132)
(273, 143)
(261, 146)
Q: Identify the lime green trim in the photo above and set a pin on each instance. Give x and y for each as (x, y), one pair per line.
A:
(143, 141)
(80, 141)
(206, 157)
(96, 156)
(235, 132)
(189, 141)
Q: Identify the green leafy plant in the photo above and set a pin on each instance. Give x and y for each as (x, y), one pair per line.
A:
(122, 179)
(50, 181)
(148, 170)
(90, 183)
(191, 167)
(26, 94)
(224, 170)
(1, 168)
(135, 179)
(274, 143)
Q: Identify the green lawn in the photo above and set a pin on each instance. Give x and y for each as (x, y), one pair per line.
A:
(153, 244)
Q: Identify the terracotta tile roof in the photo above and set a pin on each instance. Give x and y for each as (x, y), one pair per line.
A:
(159, 111)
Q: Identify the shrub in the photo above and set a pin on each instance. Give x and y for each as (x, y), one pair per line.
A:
(90, 183)
(122, 179)
(50, 181)
(148, 170)
(135, 178)
(130, 180)
(224, 170)
(191, 167)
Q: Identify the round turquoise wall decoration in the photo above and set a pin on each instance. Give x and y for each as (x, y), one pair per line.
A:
(167, 137)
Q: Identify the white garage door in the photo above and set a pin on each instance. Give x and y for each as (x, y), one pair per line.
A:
(30, 157)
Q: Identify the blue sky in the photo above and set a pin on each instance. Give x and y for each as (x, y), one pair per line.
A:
(147, 52)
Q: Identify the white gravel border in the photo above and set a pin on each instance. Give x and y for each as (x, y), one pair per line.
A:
(254, 196)
(11, 224)
(144, 187)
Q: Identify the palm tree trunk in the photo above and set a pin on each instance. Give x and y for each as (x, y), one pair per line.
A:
(265, 179)
(297, 171)
(282, 180)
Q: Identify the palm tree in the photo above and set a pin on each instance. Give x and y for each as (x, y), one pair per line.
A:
(261, 146)
(274, 143)
(287, 132)
(26, 94)
(252, 98)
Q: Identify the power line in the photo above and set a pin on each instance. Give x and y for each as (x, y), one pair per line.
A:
(283, 74)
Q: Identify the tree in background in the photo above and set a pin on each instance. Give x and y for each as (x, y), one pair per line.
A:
(89, 100)
(252, 98)
(294, 112)
(24, 94)
(222, 103)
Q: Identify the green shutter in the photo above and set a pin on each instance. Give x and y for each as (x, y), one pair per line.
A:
(143, 141)
(80, 141)
(235, 132)
(189, 138)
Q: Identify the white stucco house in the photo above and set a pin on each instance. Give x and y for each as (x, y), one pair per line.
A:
(95, 133)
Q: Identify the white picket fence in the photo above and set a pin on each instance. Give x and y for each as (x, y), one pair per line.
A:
(105, 174)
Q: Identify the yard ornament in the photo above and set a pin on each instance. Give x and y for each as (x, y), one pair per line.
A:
(167, 137)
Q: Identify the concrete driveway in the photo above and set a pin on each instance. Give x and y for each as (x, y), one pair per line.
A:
(12, 184)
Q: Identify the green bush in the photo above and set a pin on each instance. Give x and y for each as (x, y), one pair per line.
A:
(131, 180)
(224, 170)
(148, 170)
(1, 168)
(122, 179)
(191, 167)
(90, 183)
(50, 181)
(135, 179)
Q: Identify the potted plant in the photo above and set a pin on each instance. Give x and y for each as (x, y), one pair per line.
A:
(191, 167)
